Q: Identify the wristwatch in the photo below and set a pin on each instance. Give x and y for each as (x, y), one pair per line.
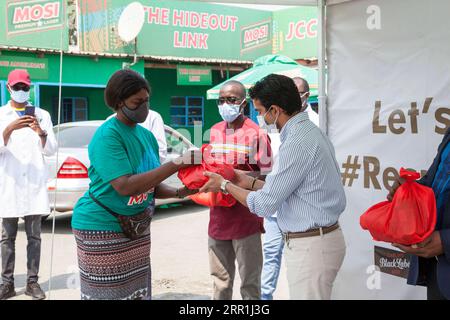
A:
(223, 186)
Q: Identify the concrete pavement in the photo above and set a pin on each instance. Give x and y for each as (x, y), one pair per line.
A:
(179, 256)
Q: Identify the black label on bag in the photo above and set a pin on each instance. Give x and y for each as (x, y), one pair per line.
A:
(392, 262)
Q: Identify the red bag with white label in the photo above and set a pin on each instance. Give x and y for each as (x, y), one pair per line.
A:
(409, 219)
(193, 178)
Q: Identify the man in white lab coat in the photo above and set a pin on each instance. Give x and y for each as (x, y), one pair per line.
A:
(155, 124)
(303, 90)
(26, 135)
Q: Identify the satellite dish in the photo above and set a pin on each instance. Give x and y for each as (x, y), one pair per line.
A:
(131, 21)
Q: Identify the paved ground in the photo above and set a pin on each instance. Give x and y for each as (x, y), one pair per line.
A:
(179, 257)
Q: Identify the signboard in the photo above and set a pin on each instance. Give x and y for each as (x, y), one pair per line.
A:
(34, 23)
(388, 107)
(295, 32)
(37, 68)
(179, 29)
(31, 16)
(194, 76)
(175, 29)
(256, 35)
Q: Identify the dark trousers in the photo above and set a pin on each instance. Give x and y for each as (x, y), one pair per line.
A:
(9, 233)
(433, 292)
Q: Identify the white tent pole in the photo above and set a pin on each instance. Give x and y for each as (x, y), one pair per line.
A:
(53, 213)
(323, 114)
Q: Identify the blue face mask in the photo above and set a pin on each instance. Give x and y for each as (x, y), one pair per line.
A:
(230, 112)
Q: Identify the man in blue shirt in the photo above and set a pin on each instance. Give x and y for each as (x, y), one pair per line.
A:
(430, 263)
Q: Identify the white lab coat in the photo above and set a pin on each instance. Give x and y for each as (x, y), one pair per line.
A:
(155, 124)
(312, 115)
(23, 172)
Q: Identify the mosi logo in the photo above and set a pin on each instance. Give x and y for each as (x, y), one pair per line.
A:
(34, 16)
(256, 34)
(36, 12)
(138, 199)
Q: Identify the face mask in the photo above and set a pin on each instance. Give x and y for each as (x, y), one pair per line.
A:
(137, 115)
(271, 128)
(304, 101)
(230, 112)
(20, 96)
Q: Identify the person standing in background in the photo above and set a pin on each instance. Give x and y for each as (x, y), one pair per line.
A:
(235, 233)
(24, 141)
(155, 124)
(303, 90)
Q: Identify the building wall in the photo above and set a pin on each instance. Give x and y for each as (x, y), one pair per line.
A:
(78, 69)
(97, 109)
(86, 77)
(164, 86)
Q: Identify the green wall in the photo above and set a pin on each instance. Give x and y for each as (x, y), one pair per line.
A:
(78, 69)
(85, 71)
(97, 110)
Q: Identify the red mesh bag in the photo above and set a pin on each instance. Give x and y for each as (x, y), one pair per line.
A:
(409, 219)
(213, 199)
(193, 178)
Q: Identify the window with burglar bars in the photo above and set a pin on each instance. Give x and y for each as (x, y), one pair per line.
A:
(186, 111)
(72, 109)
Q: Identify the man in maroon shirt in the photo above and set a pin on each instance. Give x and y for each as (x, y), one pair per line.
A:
(234, 232)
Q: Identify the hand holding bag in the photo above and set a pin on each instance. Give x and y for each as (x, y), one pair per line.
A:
(409, 219)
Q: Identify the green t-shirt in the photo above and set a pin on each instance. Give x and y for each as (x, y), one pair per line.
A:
(115, 150)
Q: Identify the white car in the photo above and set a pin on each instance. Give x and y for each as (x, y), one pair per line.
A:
(70, 181)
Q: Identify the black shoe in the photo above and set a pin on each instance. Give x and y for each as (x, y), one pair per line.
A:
(34, 290)
(7, 291)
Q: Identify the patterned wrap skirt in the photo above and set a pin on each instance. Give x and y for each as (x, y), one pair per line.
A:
(113, 267)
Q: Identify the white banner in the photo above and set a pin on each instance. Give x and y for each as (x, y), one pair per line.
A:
(389, 99)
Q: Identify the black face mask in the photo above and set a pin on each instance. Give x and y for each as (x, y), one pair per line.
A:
(137, 115)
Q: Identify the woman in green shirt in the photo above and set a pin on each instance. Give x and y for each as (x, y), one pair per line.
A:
(125, 178)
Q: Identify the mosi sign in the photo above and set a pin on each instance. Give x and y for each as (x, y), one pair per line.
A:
(34, 15)
(256, 35)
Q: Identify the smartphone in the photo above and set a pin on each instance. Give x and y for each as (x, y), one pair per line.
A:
(29, 111)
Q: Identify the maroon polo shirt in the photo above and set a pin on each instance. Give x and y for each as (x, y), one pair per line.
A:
(248, 148)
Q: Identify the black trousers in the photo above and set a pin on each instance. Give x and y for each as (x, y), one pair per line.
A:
(8, 250)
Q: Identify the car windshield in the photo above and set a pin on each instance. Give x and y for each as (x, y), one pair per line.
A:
(75, 136)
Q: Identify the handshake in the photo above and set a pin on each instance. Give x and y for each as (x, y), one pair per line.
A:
(200, 171)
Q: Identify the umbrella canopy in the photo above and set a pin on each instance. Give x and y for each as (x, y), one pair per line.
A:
(266, 65)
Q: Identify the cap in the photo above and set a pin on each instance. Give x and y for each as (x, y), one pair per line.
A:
(19, 76)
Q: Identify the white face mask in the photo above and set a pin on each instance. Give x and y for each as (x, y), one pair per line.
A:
(20, 96)
(304, 101)
(230, 112)
(271, 128)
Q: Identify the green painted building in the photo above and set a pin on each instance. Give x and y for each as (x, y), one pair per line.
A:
(85, 77)
(183, 49)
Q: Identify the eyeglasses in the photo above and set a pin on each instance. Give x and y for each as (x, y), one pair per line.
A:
(230, 100)
(20, 86)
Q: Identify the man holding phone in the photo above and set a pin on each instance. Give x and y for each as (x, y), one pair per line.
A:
(26, 135)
